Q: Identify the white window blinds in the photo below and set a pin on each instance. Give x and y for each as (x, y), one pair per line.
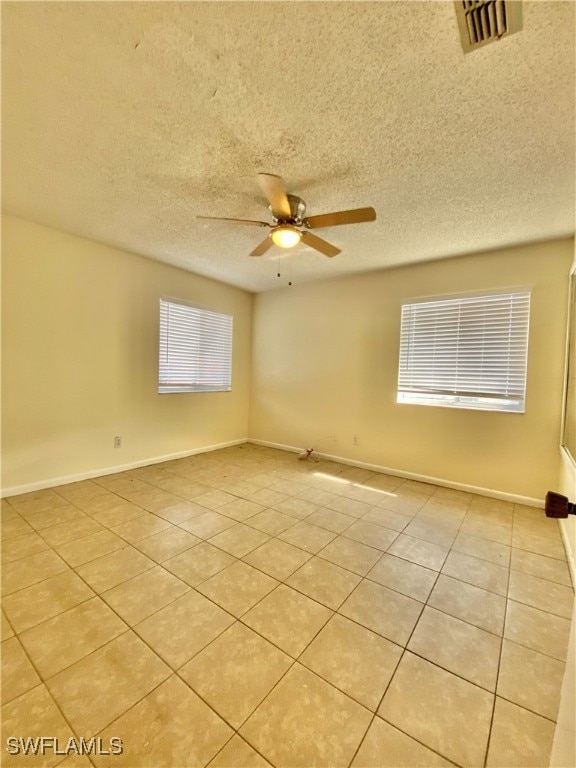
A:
(195, 349)
(468, 352)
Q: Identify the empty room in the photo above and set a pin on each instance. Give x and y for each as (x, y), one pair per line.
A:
(288, 384)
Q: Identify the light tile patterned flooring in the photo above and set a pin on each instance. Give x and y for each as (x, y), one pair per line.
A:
(244, 608)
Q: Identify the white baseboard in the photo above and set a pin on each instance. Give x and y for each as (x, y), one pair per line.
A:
(279, 446)
(52, 482)
(16, 490)
(490, 492)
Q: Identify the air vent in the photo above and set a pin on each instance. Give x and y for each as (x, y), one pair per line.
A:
(485, 21)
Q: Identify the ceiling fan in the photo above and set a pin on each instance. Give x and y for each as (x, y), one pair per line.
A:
(288, 219)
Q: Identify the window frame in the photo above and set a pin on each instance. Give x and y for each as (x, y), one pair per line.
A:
(225, 348)
(466, 399)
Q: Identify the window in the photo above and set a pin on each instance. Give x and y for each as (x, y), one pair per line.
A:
(195, 349)
(465, 352)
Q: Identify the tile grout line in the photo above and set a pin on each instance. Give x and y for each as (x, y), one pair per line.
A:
(404, 651)
(42, 684)
(133, 545)
(129, 628)
(334, 612)
(488, 741)
(161, 565)
(375, 714)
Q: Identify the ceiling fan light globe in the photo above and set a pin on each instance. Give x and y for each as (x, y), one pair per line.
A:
(286, 237)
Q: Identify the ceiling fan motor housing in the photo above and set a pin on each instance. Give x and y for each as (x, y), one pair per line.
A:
(297, 211)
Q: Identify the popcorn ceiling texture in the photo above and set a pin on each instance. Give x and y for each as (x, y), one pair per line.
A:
(122, 121)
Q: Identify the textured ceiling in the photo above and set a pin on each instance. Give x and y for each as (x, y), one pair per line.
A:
(123, 121)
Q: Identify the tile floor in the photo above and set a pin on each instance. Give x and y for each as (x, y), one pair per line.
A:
(244, 608)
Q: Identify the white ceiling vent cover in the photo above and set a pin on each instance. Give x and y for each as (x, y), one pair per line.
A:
(485, 21)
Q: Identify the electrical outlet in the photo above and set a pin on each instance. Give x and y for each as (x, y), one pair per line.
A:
(118, 441)
(356, 440)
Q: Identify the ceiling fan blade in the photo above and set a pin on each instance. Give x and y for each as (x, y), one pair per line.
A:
(275, 191)
(320, 245)
(355, 216)
(261, 249)
(237, 221)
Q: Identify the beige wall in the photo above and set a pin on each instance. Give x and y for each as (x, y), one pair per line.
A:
(326, 362)
(80, 358)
